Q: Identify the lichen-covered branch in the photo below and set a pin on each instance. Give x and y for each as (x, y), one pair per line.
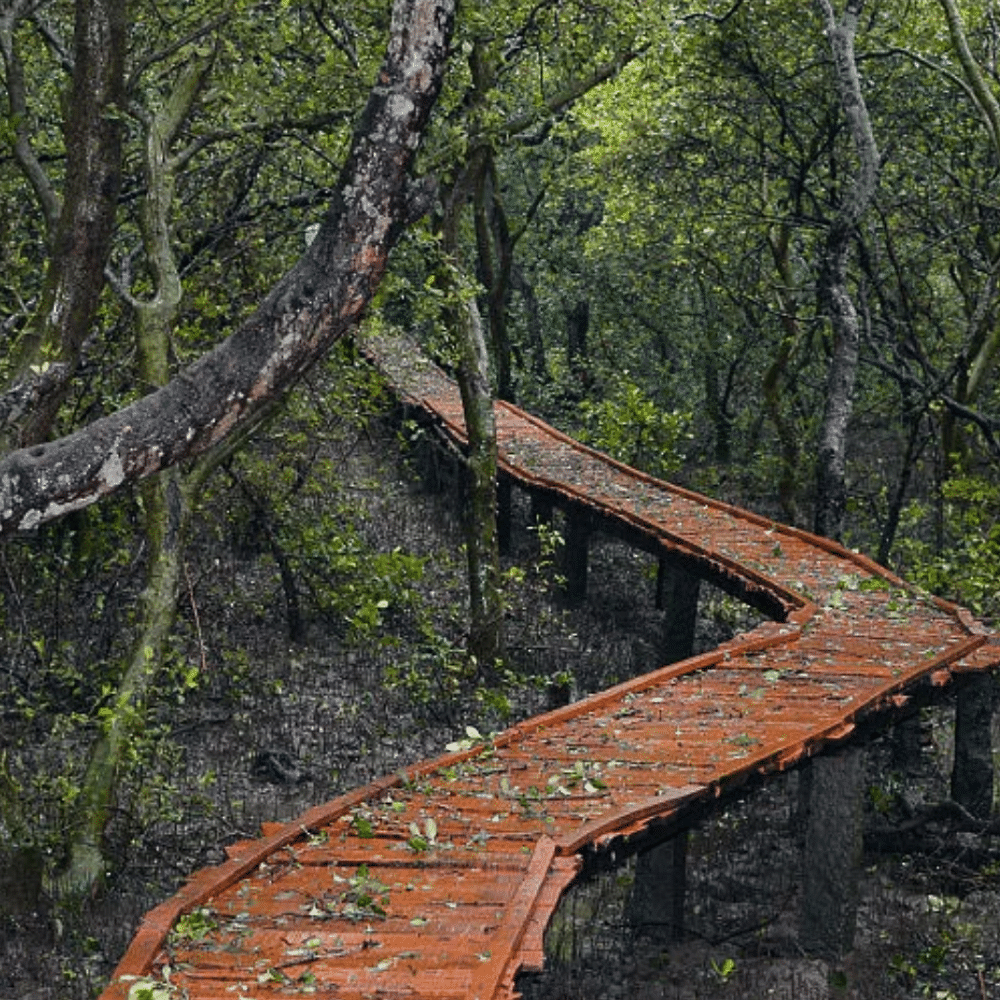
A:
(318, 301)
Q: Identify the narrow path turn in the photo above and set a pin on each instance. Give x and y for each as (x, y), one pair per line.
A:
(438, 882)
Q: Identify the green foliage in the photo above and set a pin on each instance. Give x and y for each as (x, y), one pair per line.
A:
(724, 970)
(286, 500)
(435, 676)
(364, 897)
(630, 426)
(150, 989)
(190, 928)
(964, 563)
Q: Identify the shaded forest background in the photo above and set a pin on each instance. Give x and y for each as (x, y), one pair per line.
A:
(651, 220)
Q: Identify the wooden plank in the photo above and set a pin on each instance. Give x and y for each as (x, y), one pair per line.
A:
(507, 940)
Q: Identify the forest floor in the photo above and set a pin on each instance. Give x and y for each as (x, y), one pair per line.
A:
(277, 727)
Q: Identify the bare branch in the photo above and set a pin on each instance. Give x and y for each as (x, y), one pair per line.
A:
(714, 18)
(989, 426)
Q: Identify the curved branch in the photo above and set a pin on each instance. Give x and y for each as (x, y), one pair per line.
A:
(981, 92)
(318, 301)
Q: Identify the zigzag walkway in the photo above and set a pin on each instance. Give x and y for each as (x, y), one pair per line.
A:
(439, 882)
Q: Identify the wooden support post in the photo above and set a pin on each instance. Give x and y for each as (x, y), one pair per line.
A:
(428, 461)
(656, 907)
(505, 501)
(907, 744)
(435, 467)
(575, 555)
(834, 791)
(677, 595)
(972, 771)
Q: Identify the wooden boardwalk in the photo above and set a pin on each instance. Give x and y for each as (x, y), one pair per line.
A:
(438, 882)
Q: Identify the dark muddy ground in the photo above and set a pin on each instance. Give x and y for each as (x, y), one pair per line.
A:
(274, 728)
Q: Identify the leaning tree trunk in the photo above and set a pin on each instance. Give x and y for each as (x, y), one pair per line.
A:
(831, 480)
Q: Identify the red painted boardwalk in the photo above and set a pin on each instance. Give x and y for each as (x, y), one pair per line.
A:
(439, 882)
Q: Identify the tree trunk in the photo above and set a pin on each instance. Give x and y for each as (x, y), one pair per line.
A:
(166, 499)
(577, 328)
(831, 865)
(831, 461)
(316, 303)
(485, 594)
(984, 331)
(166, 509)
(831, 480)
(777, 375)
(485, 642)
(914, 445)
(834, 783)
(532, 310)
(492, 231)
(81, 241)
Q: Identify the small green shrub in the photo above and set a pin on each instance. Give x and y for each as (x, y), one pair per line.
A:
(631, 427)
(966, 566)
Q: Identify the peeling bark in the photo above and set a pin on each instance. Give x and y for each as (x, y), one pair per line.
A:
(318, 301)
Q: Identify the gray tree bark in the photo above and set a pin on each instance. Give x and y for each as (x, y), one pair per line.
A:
(485, 642)
(831, 486)
(167, 503)
(83, 223)
(832, 854)
(318, 301)
(972, 771)
(482, 540)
